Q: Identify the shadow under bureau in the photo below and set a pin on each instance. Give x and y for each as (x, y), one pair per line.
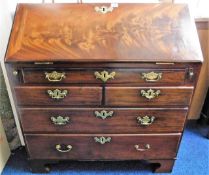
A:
(103, 82)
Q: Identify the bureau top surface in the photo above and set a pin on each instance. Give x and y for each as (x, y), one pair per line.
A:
(80, 33)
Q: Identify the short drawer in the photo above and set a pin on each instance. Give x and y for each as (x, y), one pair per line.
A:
(58, 76)
(100, 147)
(102, 120)
(148, 96)
(112, 76)
(55, 96)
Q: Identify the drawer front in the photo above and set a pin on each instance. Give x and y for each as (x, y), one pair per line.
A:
(153, 96)
(56, 76)
(142, 76)
(100, 120)
(99, 147)
(30, 95)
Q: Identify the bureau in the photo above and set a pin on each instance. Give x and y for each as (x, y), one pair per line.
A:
(103, 81)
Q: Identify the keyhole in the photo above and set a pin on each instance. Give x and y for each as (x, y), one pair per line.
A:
(103, 9)
(102, 140)
(105, 75)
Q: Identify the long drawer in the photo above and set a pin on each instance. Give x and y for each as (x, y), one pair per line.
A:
(43, 95)
(102, 120)
(80, 75)
(100, 147)
(148, 96)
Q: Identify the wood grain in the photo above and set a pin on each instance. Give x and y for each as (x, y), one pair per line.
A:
(130, 40)
(131, 96)
(121, 147)
(123, 76)
(76, 32)
(84, 120)
(162, 166)
(33, 96)
(203, 82)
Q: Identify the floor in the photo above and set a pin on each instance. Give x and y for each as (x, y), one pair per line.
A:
(193, 159)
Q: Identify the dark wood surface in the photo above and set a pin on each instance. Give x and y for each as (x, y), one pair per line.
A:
(86, 76)
(29, 95)
(83, 120)
(114, 96)
(84, 147)
(130, 40)
(202, 24)
(203, 81)
(39, 166)
(131, 96)
(37, 76)
(162, 166)
(76, 32)
(158, 165)
(104, 65)
(28, 73)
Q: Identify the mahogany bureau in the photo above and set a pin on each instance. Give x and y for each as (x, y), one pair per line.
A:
(103, 81)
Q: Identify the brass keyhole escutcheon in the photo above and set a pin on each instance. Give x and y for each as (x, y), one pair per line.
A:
(104, 76)
(103, 9)
(102, 140)
(103, 114)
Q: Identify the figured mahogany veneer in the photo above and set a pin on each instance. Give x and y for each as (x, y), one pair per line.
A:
(103, 85)
(74, 32)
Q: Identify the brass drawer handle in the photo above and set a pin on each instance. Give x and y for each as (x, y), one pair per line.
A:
(55, 76)
(147, 147)
(57, 94)
(146, 120)
(59, 120)
(102, 140)
(152, 76)
(103, 114)
(104, 75)
(67, 148)
(150, 94)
